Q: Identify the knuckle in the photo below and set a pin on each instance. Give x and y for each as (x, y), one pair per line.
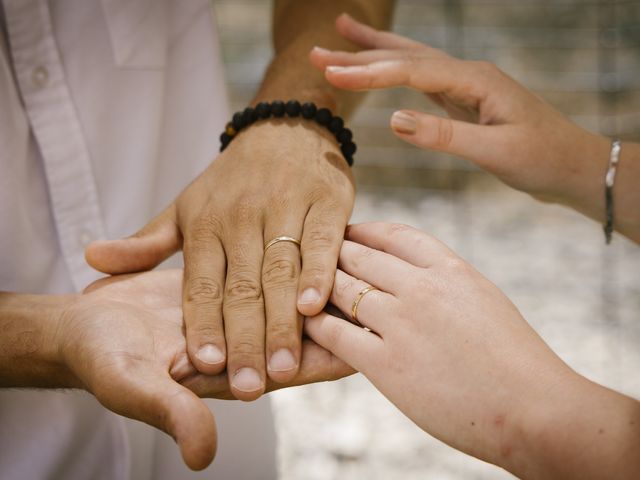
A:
(456, 265)
(394, 229)
(370, 78)
(205, 330)
(315, 272)
(206, 226)
(485, 67)
(283, 331)
(244, 211)
(443, 134)
(411, 62)
(246, 344)
(335, 332)
(281, 201)
(279, 271)
(243, 289)
(203, 291)
(344, 288)
(360, 256)
(410, 69)
(317, 192)
(429, 285)
(319, 238)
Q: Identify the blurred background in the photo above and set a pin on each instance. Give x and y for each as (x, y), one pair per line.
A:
(581, 296)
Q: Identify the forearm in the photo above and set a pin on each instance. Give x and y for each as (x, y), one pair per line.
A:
(588, 431)
(587, 195)
(298, 27)
(28, 344)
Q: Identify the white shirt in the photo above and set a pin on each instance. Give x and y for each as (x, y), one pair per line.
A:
(108, 109)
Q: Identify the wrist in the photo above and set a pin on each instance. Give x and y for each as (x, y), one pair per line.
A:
(321, 97)
(31, 354)
(578, 430)
(274, 139)
(581, 187)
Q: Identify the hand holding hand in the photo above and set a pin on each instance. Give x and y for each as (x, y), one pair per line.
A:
(123, 341)
(277, 178)
(455, 355)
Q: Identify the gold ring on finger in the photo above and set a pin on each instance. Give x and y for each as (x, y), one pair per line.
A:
(271, 243)
(356, 302)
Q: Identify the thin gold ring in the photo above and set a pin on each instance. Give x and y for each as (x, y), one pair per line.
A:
(281, 239)
(356, 302)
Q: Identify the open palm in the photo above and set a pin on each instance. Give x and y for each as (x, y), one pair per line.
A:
(124, 341)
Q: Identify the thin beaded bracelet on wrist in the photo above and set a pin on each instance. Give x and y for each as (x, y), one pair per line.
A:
(609, 180)
(293, 109)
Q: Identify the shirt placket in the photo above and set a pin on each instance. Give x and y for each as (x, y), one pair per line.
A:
(56, 129)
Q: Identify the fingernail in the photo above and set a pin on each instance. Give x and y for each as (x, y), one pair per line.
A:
(310, 295)
(403, 123)
(282, 361)
(247, 380)
(320, 50)
(210, 354)
(337, 68)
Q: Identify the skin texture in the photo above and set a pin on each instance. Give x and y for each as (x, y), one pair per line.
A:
(455, 355)
(491, 121)
(123, 340)
(243, 308)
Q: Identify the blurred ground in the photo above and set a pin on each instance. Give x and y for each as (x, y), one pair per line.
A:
(583, 56)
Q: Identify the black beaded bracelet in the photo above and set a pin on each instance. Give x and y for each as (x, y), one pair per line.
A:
(292, 109)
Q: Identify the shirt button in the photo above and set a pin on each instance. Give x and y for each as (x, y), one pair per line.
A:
(40, 76)
(85, 238)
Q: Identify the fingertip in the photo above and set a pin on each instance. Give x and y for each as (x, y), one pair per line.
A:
(198, 448)
(188, 420)
(403, 122)
(283, 366)
(319, 57)
(97, 254)
(309, 299)
(343, 20)
(352, 77)
(316, 50)
(209, 359)
(247, 384)
(313, 327)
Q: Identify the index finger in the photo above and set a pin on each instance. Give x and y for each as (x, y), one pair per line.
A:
(402, 241)
(368, 37)
(428, 75)
(322, 58)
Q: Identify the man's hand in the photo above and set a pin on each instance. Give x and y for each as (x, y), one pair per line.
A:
(123, 340)
(276, 178)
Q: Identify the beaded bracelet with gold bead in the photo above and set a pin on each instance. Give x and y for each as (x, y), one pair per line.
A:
(292, 109)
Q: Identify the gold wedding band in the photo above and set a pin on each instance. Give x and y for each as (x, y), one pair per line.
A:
(281, 239)
(356, 302)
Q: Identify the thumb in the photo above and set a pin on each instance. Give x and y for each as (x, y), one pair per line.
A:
(154, 243)
(156, 399)
(477, 143)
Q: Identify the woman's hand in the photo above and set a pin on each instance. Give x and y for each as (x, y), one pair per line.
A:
(455, 355)
(492, 120)
(123, 340)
